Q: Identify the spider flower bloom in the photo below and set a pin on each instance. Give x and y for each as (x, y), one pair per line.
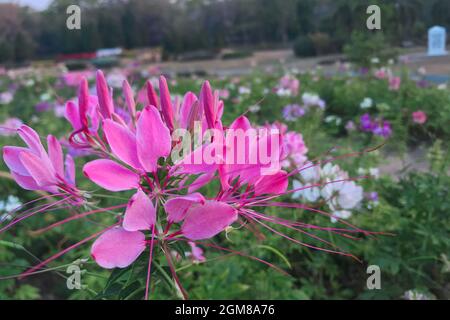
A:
(33, 168)
(167, 205)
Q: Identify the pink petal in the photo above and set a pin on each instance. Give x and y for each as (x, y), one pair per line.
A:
(118, 248)
(12, 160)
(129, 98)
(110, 175)
(104, 96)
(272, 184)
(201, 181)
(153, 138)
(31, 138)
(83, 101)
(122, 142)
(25, 182)
(241, 123)
(56, 155)
(197, 252)
(72, 115)
(151, 95)
(207, 102)
(166, 103)
(186, 111)
(205, 221)
(43, 174)
(140, 213)
(176, 208)
(70, 170)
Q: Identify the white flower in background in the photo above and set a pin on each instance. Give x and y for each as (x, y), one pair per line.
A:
(366, 103)
(375, 60)
(115, 79)
(374, 172)
(281, 92)
(255, 108)
(442, 86)
(266, 91)
(349, 195)
(7, 206)
(29, 83)
(340, 214)
(311, 99)
(335, 190)
(422, 71)
(244, 90)
(45, 96)
(333, 119)
(415, 295)
(6, 97)
(330, 171)
(309, 194)
(311, 173)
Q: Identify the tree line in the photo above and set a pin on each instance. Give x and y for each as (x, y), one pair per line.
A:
(180, 26)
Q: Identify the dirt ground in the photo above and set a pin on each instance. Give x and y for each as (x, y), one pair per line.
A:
(416, 58)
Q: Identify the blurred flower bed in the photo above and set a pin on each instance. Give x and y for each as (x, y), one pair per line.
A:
(356, 118)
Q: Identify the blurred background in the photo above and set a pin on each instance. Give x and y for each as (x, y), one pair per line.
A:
(311, 66)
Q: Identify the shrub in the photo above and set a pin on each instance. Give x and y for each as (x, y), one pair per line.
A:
(322, 43)
(364, 47)
(304, 47)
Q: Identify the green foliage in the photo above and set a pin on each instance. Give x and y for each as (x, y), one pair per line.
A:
(304, 47)
(366, 46)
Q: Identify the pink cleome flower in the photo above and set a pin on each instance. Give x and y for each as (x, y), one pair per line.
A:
(167, 206)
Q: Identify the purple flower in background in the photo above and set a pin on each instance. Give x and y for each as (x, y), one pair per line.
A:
(383, 129)
(373, 196)
(422, 83)
(60, 110)
(363, 71)
(123, 114)
(292, 112)
(43, 106)
(366, 123)
(377, 127)
(350, 126)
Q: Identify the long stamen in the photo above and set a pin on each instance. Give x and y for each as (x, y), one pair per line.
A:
(76, 217)
(149, 268)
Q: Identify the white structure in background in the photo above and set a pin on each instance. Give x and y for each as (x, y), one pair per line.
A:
(437, 37)
(109, 52)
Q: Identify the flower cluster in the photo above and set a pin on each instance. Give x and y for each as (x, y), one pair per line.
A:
(294, 150)
(340, 196)
(288, 86)
(292, 112)
(378, 127)
(148, 150)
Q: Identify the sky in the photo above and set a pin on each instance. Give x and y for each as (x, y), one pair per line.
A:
(35, 4)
